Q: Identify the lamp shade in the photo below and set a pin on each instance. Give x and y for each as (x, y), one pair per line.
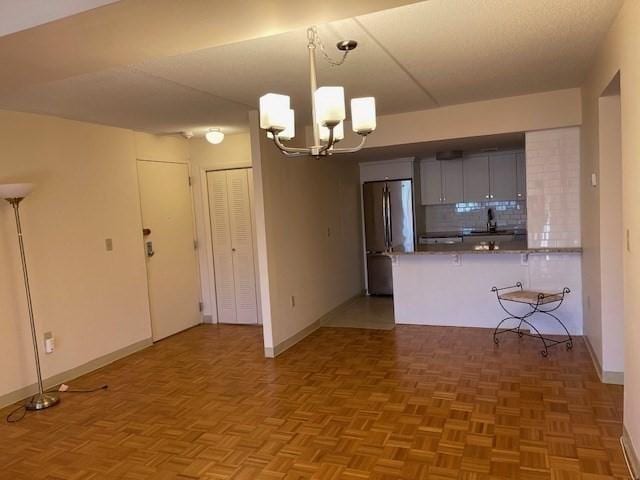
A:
(15, 190)
(338, 132)
(214, 136)
(329, 102)
(363, 114)
(290, 130)
(274, 111)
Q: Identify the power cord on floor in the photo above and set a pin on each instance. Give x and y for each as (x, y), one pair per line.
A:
(20, 412)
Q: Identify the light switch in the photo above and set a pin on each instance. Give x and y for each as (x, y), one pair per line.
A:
(108, 244)
(594, 180)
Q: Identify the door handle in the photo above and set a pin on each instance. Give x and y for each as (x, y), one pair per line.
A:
(149, 249)
(389, 225)
(385, 220)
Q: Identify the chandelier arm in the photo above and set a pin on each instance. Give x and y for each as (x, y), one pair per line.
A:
(351, 149)
(296, 154)
(330, 143)
(286, 149)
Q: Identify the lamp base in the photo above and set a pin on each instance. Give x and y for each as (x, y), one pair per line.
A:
(41, 401)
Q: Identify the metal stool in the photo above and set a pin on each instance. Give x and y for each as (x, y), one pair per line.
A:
(536, 301)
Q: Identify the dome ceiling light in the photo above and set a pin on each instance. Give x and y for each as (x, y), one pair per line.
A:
(214, 136)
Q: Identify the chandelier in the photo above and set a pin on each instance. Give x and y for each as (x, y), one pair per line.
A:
(327, 110)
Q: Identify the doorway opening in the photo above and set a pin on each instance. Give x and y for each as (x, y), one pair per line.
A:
(610, 334)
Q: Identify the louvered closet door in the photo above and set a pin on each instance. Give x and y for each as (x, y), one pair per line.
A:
(232, 236)
(242, 246)
(222, 254)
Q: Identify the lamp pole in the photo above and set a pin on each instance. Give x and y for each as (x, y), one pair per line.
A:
(41, 400)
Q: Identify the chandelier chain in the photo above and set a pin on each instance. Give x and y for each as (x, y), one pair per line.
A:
(314, 38)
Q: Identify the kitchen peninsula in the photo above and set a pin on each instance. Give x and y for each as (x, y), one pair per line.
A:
(447, 280)
(453, 287)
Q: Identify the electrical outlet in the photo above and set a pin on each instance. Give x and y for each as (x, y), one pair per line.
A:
(108, 244)
(293, 301)
(49, 342)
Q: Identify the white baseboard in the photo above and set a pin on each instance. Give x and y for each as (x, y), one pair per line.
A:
(25, 392)
(631, 454)
(305, 332)
(615, 378)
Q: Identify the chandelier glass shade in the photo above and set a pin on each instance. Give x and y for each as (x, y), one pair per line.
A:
(328, 112)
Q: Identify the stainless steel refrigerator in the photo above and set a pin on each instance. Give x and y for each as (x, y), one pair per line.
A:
(389, 227)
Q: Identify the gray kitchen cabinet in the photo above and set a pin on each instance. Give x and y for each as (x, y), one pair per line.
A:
(521, 176)
(441, 181)
(476, 178)
(502, 175)
(452, 181)
(430, 182)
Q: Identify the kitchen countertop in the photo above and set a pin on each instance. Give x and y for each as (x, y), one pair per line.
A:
(468, 232)
(514, 247)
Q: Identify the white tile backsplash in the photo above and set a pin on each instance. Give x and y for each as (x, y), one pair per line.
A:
(458, 216)
(553, 187)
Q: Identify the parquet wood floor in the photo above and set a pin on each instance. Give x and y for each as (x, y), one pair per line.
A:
(411, 403)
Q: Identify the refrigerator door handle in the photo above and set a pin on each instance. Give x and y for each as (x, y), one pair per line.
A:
(385, 218)
(389, 225)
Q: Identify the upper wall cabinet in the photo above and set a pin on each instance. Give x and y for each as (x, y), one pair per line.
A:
(502, 175)
(476, 178)
(452, 181)
(521, 176)
(497, 176)
(441, 181)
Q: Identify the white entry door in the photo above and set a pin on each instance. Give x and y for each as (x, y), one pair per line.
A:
(233, 254)
(172, 269)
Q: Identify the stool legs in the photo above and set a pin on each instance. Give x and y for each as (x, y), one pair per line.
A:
(523, 319)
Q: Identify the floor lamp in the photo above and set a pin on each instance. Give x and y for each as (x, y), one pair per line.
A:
(14, 193)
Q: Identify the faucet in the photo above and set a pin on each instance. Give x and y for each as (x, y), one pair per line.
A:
(491, 221)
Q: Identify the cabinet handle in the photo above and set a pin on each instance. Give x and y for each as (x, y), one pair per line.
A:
(486, 196)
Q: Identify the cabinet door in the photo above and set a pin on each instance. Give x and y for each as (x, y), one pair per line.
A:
(502, 172)
(521, 173)
(241, 225)
(476, 178)
(452, 181)
(430, 182)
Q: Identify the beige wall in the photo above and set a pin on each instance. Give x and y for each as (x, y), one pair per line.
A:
(312, 236)
(95, 302)
(619, 53)
(560, 108)
(233, 152)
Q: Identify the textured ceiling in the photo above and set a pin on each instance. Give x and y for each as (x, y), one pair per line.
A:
(16, 15)
(424, 55)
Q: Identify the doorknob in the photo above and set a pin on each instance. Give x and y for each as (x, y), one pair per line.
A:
(149, 248)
